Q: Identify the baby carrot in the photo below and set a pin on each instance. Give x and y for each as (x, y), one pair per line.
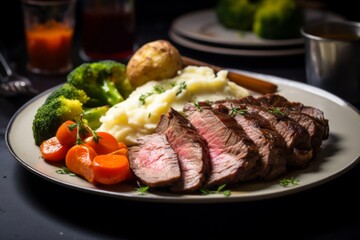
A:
(79, 161)
(111, 168)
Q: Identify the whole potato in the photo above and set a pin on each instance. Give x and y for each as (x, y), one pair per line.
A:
(155, 60)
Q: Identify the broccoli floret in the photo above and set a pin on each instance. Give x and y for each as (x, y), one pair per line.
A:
(52, 114)
(70, 92)
(237, 14)
(102, 81)
(278, 19)
(92, 115)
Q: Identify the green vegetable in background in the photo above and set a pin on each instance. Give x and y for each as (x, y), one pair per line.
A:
(237, 14)
(278, 19)
(268, 19)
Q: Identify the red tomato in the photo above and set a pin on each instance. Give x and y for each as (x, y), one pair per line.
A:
(106, 143)
(52, 150)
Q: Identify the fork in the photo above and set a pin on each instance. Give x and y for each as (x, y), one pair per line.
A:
(14, 84)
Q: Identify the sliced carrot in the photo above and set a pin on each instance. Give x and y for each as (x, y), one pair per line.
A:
(79, 161)
(52, 150)
(122, 149)
(111, 168)
(105, 144)
(66, 133)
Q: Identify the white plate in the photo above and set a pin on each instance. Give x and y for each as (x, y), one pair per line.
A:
(339, 153)
(234, 51)
(203, 26)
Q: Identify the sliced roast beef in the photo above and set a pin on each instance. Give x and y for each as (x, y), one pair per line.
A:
(233, 155)
(272, 148)
(296, 137)
(154, 162)
(191, 149)
(276, 100)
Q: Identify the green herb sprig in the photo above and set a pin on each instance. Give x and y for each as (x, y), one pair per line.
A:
(219, 190)
(235, 110)
(142, 190)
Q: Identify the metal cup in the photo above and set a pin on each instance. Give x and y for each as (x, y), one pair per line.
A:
(332, 57)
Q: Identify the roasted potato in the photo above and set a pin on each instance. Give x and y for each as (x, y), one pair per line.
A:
(155, 60)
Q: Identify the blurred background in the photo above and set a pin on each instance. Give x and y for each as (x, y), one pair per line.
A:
(150, 16)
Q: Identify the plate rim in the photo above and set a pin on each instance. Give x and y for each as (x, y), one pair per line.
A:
(175, 198)
(210, 12)
(234, 52)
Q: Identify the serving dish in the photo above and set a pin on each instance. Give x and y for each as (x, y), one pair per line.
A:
(233, 51)
(203, 26)
(338, 154)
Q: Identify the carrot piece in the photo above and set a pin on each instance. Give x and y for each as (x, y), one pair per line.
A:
(79, 161)
(122, 149)
(111, 169)
(66, 133)
(52, 150)
(105, 144)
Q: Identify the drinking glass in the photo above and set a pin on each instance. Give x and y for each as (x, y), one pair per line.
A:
(49, 28)
(108, 29)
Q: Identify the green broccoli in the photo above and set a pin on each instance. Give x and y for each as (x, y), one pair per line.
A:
(102, 81)
(70, 92)
(52, 114)
(278, 19)
(237, 14)
(92, 115)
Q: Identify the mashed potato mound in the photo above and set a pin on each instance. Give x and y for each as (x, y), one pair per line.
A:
(140, 113)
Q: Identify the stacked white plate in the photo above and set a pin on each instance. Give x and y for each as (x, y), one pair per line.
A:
(201, 31)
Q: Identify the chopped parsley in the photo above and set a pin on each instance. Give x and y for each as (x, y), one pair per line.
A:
(144, 96)
(159, 89)
(182, 86)
(198, 107)
(288, 182)
(65, 170)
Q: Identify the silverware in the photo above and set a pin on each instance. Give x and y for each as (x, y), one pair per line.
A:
(14, 84)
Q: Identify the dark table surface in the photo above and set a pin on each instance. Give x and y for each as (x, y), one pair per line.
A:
(34, 208)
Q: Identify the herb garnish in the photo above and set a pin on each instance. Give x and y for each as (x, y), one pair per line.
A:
(144, 96)
(198, 107)
(181, 88)
(235, 110)
(142, 190)
(288, 182)
(159, 89)
(219, 190)
(65, 170)
(277, 111)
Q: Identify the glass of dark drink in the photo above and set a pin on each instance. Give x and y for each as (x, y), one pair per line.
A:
(108, 30)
